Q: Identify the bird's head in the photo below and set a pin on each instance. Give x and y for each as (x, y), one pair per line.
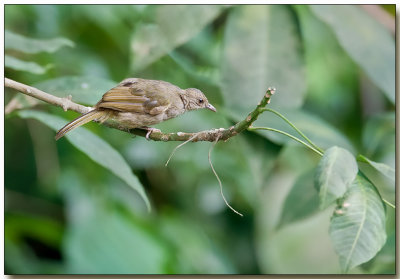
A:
(195, 99)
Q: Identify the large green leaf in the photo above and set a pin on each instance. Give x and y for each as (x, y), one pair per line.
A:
(20, 65)
(302, 200)
(262, 48)
(173, 26)
(335, 172)
(367, 42)
(109, 243)
(93, 146)
(102, 239)
(29, 45)
(357, 226)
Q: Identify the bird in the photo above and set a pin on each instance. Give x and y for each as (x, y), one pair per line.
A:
(139, 103)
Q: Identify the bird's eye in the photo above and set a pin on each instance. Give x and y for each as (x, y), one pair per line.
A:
(201, 101)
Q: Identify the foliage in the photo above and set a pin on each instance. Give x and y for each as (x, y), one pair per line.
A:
(335, 172)
(334, 76)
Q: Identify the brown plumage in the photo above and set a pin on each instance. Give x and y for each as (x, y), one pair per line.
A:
(138, 103)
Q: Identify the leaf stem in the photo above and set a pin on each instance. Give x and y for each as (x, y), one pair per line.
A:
(389, 203)
(295, 128)
(288, 135)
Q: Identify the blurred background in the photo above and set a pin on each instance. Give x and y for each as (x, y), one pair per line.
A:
(66, 212)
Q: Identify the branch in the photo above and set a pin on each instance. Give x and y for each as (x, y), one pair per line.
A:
(65, 103)
(208, 135)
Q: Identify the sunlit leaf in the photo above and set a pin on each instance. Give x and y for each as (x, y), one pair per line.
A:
(173, 25)
(302, 200)
(357, 226)
(262, 49)
(20, 65)
(367, 42)
(30, 45)
(95, 147)
(335, 172)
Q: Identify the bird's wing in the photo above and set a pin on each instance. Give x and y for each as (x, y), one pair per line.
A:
(131, 97)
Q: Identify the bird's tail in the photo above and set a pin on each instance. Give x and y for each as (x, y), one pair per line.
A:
(81, 120)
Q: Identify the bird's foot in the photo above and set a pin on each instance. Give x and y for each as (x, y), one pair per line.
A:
(151, 130)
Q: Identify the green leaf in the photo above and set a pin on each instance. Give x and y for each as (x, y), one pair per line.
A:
(287, 249)
(105, 240)
(173, 26)
(367, 42)
(382, 168)
(357, 226)
(29, 45)
(332, 77)
(93, 146)
(320, 132)
(382, 176)
(262, 48)
(379, 139)
(194, 258)
(20, 225)
(20, 65)
(108, 243)
(108, 18)
(302, 200)
(385, 261)
(335, 172)
(83, 89)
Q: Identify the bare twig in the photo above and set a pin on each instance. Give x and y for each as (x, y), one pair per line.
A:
(65, 103)
(207, 135)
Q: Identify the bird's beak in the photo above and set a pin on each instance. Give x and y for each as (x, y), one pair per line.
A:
(211, 107)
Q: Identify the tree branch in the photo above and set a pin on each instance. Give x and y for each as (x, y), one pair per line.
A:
(208, 135)
(65, 103)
